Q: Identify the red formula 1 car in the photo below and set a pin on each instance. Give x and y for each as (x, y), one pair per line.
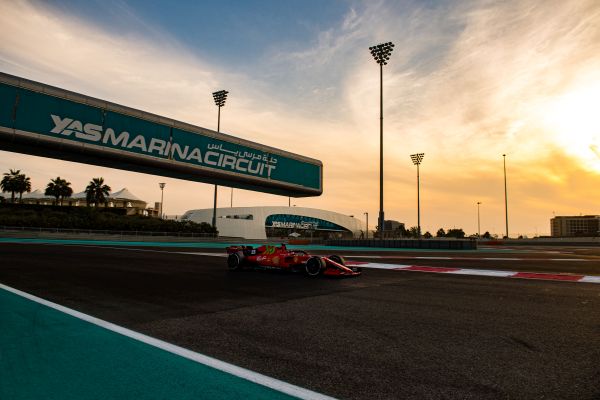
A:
(280, 258)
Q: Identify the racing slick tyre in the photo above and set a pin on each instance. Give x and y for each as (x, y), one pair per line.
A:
(314, 266)
(235, 261)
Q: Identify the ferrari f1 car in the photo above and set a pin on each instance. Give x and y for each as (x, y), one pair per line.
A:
(280, 258)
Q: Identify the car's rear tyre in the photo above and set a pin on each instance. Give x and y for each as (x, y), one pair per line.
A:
(235, 261)
(314, 266)
(338, 259)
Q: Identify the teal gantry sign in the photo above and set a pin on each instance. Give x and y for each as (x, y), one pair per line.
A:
(47, 121)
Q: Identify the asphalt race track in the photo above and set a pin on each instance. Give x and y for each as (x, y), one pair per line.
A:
(384, 335)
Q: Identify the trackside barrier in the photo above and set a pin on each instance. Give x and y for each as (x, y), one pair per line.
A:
(457, 244)
(92, 234)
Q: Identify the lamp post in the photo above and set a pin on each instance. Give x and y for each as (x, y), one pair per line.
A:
(478, 221)
(381, 53)
(219, 98)
(505, 195)
(367, 233)
(417, 159)
(162, 191)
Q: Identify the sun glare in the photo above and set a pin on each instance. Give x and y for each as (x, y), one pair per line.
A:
(574, 120)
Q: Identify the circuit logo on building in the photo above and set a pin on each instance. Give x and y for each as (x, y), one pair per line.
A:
(214, 155)
(295, 225)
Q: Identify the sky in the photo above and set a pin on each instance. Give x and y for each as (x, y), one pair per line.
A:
(468, 81)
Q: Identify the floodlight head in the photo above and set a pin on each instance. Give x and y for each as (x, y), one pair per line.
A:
(417, 158)
(220, 97)
(162, 185)
(382, 52)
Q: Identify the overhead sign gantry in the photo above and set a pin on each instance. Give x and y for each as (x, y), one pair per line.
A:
(47, 121)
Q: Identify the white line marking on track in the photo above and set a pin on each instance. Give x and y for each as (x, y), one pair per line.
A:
(201, 254)
(362, 256)
(482, 272)
(240, 372)
(591, 279)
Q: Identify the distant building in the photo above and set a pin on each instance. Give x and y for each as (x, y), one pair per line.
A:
(586, 225)
(391, 225)
(119, 199)
(278, 221)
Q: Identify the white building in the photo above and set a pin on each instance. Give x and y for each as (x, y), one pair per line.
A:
(263, 222)
(119, 199)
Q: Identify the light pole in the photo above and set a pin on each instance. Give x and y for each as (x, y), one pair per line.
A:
(367, 214)
(505, 196)
(381, 53)
(417, 159)
(478, 221)
(220, 98)
(162, 191)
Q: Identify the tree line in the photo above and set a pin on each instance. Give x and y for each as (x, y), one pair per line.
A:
(93, 218)
(413, 233)
(97, 193)
(16, 183)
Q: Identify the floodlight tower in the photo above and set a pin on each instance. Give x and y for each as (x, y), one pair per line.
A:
(417, 159)
(162, 191)
(505, 195)
(381, 53)
(478, 221)
(220, 98)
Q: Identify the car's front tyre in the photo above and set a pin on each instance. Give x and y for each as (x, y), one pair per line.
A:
(314, 266)
(235, 261)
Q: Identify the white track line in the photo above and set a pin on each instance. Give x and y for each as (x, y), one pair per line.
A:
(202, 254)
(483, 272)
(240, 372)
(591, 279)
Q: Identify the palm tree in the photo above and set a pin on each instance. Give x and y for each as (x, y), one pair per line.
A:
(23, 184)
(59, 188)
(9, 183)
(96, 192)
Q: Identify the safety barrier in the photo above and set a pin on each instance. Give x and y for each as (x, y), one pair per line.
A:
(441, 244)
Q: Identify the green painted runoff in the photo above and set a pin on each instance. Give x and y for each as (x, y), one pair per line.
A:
(46, 354)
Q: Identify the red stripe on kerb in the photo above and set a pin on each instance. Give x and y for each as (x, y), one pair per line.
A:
(429, 269)
(554, 277)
